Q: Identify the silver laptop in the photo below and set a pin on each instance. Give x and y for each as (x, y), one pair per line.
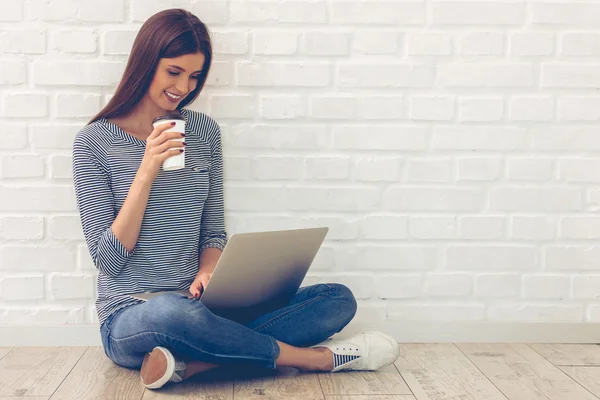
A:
(258, 271)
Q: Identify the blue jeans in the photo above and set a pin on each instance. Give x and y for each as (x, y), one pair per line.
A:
(192, 332)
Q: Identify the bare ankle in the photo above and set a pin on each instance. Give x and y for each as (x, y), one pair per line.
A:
(325, 359)
(196, 367)
(305, 359)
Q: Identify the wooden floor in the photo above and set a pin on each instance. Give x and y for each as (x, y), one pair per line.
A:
(423, 372)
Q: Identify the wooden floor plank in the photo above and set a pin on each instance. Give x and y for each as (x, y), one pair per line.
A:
(442, 371)
(24, 398)
(192, 390)
(95, 376)
(198, 387)
(382, 382)
(36, 371)
(588, 377)
(288, 384)
(569, 354)
(372, 397)
(522, 374)
(4, 351)
(433, 372)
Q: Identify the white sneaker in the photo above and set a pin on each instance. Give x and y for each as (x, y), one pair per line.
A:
(160, 367)
(367, 351)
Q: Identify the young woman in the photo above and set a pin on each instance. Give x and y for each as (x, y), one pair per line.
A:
(148, 229)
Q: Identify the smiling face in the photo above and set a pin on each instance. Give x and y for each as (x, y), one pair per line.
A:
(174, 79)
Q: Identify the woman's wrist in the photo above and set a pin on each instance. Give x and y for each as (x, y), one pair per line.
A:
(203, 268)
(144, 177)
(208, 259)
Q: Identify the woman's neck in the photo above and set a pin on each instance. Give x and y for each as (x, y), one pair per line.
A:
(139, 121)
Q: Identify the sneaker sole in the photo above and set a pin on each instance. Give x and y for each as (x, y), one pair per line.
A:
(394, 345)
(157, 368)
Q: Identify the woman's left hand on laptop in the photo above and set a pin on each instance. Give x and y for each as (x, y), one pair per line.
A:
(199, 284)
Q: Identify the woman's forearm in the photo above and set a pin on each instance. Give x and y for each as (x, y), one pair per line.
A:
(209, 258)
(128, 223)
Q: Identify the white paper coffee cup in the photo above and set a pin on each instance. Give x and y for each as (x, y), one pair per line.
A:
(178, 161)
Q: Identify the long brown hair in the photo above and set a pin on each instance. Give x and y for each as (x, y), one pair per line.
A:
(167, 34)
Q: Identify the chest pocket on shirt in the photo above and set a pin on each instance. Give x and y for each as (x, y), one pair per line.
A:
(200, 174)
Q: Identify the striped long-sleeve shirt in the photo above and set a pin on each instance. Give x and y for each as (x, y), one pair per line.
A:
(184, 214)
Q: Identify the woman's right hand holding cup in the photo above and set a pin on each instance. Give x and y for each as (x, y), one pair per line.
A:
(159, 147)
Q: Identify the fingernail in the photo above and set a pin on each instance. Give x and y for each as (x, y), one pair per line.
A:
(172, 123)
(181, 151)
(184, 143)
(183, 134)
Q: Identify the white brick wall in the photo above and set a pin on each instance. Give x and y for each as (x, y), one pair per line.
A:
(451, 146)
